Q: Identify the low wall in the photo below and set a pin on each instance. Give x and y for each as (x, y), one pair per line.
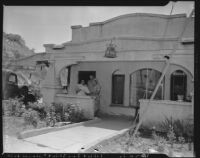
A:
(160, 109)
(85, 102)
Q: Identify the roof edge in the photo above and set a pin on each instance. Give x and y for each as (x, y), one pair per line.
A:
(139, 14)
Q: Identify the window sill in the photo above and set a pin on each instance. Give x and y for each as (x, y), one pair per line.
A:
(121, 106)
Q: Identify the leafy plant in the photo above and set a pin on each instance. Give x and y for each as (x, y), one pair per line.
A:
(50, 118)
(160, 142)
(13, 107)
(40, 108)
(31, 117)
(75, 113)
(69, 112)
(171, 135)
(181, 128)
(181, 140)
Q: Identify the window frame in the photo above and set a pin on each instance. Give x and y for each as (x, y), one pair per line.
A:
(112, 90)
(172, 85)
(130, 84)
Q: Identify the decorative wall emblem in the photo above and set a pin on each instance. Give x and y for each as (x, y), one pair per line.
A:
(111, 51)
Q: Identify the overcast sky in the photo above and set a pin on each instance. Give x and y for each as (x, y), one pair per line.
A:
(40, 25)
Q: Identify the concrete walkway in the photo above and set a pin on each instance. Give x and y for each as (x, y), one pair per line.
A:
(69, 140)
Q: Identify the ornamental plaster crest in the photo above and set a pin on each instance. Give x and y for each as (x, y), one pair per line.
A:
(110, 50)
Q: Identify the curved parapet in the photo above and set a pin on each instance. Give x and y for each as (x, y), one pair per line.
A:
(133, 25)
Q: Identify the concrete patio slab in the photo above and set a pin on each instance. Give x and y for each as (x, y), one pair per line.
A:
(71, 140)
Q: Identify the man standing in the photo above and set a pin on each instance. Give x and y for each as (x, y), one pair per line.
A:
(95, 88)
(63, 79)
(91, 84)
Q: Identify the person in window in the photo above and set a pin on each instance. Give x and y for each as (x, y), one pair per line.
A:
(63, 79)
(82, 89)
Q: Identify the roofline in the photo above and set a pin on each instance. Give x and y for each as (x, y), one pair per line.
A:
(139, 14)
(133, 15)
(116, 38)
(30, 56)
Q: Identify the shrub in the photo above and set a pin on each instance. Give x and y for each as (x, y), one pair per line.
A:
(13, 107)
(171, 135)
(69, 112)
(75, 113)
(31, 117)
(59, 111)
(181, 128)
(51, 116)
(40, 108)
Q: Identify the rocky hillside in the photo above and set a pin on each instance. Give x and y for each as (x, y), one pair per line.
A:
(14, 47)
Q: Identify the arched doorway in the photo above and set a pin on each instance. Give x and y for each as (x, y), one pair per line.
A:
(142, 85)
(178, 85)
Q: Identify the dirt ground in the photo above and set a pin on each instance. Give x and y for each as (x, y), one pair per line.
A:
(12, 125)
(140, 145)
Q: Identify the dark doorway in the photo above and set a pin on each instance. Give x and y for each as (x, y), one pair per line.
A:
(118, 89)
(69, 74)
(178, 85)
(85, 75)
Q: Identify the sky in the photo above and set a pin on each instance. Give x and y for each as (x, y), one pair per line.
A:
(39, 25)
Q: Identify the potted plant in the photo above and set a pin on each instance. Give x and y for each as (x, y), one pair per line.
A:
(180, 97)
(180, 93)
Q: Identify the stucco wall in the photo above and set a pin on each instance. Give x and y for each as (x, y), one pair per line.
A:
(159, 110)
(86, 103)
(122, 44)
(145, 25)
(104, 72)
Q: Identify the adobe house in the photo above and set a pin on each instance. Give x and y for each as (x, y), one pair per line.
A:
(126, 55)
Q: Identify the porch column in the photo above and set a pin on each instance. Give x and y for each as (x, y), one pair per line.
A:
(48, 85)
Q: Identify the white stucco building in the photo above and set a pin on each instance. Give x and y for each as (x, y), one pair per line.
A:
(140, 41)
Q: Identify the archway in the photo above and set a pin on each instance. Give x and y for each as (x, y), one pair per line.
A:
(142, 85)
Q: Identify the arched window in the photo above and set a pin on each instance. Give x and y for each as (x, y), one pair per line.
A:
(178, 85)
(142, 85)
(118, 88)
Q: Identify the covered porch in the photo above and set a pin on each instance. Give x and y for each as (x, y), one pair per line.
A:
(52, 90)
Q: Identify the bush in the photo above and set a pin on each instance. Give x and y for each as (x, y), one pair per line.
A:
(51, 116)
(13, 107)
(40, 108)
(69, 112)
(75, 113)
(31, 117)
(182, 128)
